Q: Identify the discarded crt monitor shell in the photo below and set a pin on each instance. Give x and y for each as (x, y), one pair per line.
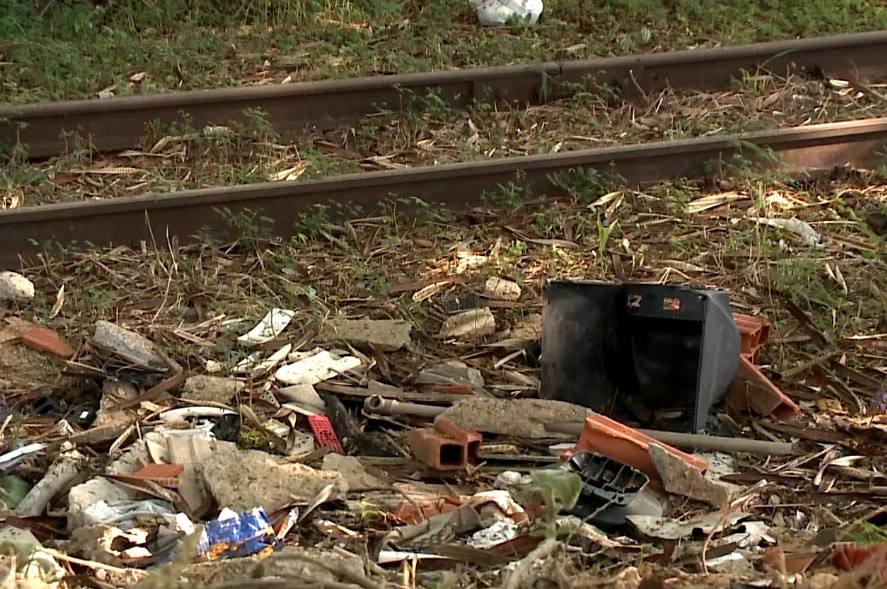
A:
(605, 346)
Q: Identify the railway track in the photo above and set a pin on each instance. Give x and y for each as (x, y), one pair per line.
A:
(127, 221)
(119, 123)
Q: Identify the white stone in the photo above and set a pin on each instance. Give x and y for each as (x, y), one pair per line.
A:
(15, 287)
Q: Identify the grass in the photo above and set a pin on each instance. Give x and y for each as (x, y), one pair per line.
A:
(427, 132)
(65, 49)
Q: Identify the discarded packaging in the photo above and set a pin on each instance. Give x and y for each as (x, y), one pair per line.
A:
(234, 535)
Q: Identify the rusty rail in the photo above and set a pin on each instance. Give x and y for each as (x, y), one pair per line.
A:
(119, 123)
(127, 221)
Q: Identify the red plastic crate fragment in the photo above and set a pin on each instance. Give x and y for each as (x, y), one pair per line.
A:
(324, 432)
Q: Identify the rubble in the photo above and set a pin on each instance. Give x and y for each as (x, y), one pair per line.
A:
(243, 479)
(387, 335)
(213, 389)
(353, 472)
(523, 418)
(311, 564)
(147, 459)
(128, 345)
(679, 478)
(476, 323)
(60, 473)
(501, 290)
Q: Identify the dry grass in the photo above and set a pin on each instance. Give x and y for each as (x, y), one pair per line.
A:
(426, 133)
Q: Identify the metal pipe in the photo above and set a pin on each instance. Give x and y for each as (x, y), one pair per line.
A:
(690, 441)
(381, 406)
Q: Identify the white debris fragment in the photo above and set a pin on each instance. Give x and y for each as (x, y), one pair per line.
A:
(802, 229)
(15, 287)
(500, 289)
(501, 531)
(512, 478)
(474, 323)
(271, 325)
(318, 367)
(495, 13)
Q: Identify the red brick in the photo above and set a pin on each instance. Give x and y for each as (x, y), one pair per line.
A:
(46, 340)
(444, 447)
(751, 389)
(165, 475)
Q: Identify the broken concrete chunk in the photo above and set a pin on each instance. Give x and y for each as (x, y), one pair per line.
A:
(115, 392)
(475, 323)
(353, 471)
(244, 479)
(97, 542)
(500, 289)
(214, 389)
(15, 287)
(389, 335)
(128, 345)
(82, 497)
(525, 418)
(60, 473)
(679, 478)
(193, 452)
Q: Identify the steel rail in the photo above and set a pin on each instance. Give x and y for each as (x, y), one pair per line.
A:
(130, 220)
(119, 123)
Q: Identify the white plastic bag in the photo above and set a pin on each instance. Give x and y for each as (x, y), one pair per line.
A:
(494, 13)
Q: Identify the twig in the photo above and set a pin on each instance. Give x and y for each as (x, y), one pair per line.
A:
(735, 505)
(287, 583)
(541, 552)
(91, 563)
(343, 572)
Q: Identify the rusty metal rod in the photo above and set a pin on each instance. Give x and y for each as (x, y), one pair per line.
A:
(692, 441)
(184, 215)
(119, 123)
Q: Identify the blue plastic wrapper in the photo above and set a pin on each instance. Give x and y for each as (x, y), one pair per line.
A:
(237, 534)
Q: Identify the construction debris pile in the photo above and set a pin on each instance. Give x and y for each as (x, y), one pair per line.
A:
(637, 446)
